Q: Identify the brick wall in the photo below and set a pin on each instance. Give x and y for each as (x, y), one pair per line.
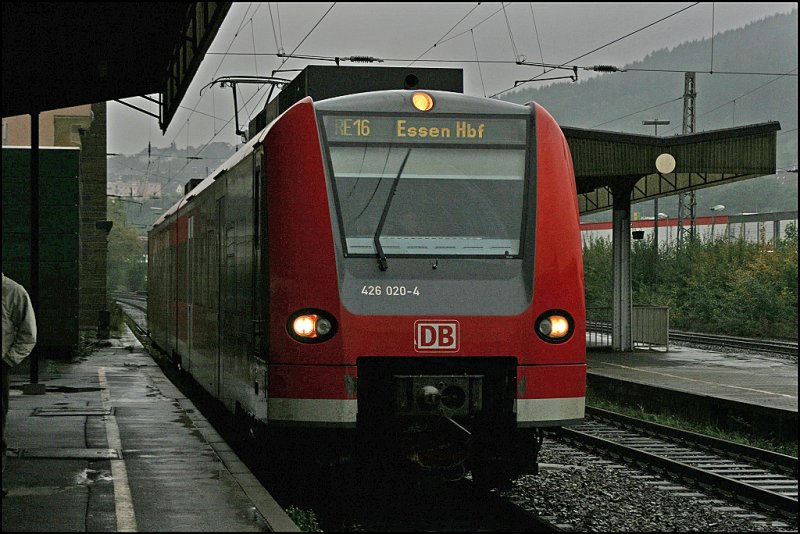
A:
(93, 240)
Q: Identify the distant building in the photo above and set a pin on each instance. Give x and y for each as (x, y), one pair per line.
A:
(133, 186)
(752, 227)
(83, 127)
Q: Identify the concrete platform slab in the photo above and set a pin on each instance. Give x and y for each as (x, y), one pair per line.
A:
(742, 377)
(113, 446)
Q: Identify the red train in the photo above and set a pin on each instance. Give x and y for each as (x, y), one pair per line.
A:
(396, 274)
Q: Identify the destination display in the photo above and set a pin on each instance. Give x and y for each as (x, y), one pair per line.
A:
(419, 129)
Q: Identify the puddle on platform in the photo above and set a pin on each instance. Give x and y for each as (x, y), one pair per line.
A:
(63, 389)
(70, 389)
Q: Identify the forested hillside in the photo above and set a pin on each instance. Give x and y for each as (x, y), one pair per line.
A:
(621, 101)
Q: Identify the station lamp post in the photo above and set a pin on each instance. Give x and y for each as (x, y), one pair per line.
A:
(655, 123)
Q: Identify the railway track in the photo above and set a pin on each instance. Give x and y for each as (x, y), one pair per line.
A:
(765, 345)
(135, 307)
(351, 505)
(750, 475)
(747, 474)
(343, 502)
(715, 340)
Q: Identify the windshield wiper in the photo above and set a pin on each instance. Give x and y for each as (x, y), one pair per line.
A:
(377, 240)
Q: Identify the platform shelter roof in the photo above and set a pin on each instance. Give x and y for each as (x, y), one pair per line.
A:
(607, 161)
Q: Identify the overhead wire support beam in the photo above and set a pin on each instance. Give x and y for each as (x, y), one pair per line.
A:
(574, 69)
(573, 76)
(140, 109)
(232, 81)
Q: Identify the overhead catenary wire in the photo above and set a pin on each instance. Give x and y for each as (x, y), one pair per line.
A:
(278, 47)
(255, 61)
(566, 66)
(713, 5)
(280, 26)
(254, 94)
(682, 71)
(193, 110)
(473, 27)
(601, 47)
(288, 56)
(510, 35)
(640, 111)
(241, 25)
(253, 37)
(779, 76)
(536, 30)
(480, 71)
(446, 33)
(446, 37)
(748, 93)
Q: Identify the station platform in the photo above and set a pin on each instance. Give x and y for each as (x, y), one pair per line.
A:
(113, 446)
(747, 389)
(762, 380)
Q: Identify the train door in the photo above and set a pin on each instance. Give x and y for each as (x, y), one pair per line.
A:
(259, 258)
(259, 406)
(190, 283)
(222, 269)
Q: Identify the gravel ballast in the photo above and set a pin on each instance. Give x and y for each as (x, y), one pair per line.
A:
(581, 492)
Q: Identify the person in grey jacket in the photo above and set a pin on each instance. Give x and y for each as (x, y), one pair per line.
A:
(19, 338)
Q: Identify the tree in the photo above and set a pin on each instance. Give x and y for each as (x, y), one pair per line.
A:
(127, 261)
(724, 286)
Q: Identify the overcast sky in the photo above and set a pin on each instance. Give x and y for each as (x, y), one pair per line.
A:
(400, 33)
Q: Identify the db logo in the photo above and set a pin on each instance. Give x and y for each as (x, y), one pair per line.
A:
(436, 335)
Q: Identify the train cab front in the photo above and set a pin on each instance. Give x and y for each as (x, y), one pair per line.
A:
(459, 272)
(443, 263)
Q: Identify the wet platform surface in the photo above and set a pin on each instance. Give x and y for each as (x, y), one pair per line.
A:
(768, 381)
(114, 446)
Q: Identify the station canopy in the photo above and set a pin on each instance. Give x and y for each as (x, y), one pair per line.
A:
(605, 161)
(63, 54)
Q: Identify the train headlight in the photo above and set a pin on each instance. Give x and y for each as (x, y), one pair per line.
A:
(555, 326)
(311, 326)
(422, 101)
(305, 326)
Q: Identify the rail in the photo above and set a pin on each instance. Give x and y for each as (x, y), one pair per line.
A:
(767, 345)
(747, 473)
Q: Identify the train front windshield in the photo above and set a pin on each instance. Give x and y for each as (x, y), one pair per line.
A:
(452, 196)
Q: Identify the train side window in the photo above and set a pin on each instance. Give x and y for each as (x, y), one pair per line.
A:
(258, 183)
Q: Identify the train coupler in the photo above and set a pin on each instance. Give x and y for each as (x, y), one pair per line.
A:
(435, 443)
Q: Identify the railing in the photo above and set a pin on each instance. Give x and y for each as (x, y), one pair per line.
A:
(649, 326)
(598, 327)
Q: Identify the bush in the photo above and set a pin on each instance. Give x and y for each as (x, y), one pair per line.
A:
(724, 286)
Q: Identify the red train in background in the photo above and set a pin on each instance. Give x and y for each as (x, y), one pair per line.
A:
(395, 275)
